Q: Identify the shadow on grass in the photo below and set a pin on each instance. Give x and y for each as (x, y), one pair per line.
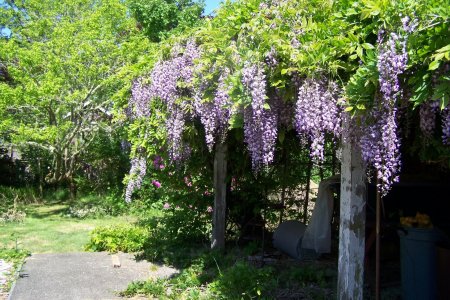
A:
(44, 211)
(208, 274)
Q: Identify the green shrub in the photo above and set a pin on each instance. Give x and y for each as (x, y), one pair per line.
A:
(125, 238)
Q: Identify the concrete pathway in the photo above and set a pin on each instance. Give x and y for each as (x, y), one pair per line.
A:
(81, 276)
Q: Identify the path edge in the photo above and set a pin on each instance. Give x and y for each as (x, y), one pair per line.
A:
(16, 277)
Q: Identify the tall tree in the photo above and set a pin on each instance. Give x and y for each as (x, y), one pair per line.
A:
(159, 18)
(68, 60)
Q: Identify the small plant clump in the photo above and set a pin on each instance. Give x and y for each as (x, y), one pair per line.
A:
(12, 215)
(96, 206)
(10, 260)
(85, 211)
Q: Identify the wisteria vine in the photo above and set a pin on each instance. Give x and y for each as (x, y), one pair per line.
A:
(165, 79)
(427, 112)
(260, 122)
(137, 174)
(446, 126)
(380, 143)
(216, 114)
(316, 113)
(313, 111)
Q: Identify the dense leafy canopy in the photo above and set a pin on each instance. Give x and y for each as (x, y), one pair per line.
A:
(160, 18)
(67, 62)
(371, 56)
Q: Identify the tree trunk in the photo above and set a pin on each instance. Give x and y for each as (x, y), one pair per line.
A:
(72, 188)
(352, 223)
(41, 179)
(220, 173)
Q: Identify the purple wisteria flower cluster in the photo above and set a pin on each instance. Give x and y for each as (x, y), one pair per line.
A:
(285, 110)
(215, 115)
(380, 144)
(380, 147)
(427, 115)
(260, 123)
(316, 113)
(137, 173)
(165, 78)
(446, 126)
(139, 101)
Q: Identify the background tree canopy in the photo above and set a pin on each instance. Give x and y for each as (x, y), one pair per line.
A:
(159, 18)
(66, 62)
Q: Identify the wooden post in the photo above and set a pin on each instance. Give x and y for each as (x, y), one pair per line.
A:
(352, 223)
(220, 173)
(377, 248)
(308, 182)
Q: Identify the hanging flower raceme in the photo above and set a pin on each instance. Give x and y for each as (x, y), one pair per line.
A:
(380, 144)
(139, 101)
(216, 114)
(165, 77)
(427, 112)
(260, 122)
(446, 126)
(137, 173)
(317, 113)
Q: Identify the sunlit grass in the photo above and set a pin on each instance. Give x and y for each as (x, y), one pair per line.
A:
(46, 229)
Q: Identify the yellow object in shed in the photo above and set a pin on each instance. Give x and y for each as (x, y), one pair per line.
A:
(420, 221)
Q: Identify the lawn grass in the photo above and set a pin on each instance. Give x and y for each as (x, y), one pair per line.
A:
(46, 229)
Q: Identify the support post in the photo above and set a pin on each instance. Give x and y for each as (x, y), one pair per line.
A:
(308, 185)
(377, 249)
(220, 173)
(352, 222)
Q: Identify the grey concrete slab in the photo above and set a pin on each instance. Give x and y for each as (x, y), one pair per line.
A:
(80, 276)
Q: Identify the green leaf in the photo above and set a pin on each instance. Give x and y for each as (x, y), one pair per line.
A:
(434, 65)
(444, 49)
(367, 46)
(348, 108)
(236, 121)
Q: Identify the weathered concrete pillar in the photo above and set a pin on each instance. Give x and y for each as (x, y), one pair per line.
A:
(352, 223)
(220, 173)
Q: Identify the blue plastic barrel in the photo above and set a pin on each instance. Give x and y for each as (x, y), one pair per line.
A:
(418, 263)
